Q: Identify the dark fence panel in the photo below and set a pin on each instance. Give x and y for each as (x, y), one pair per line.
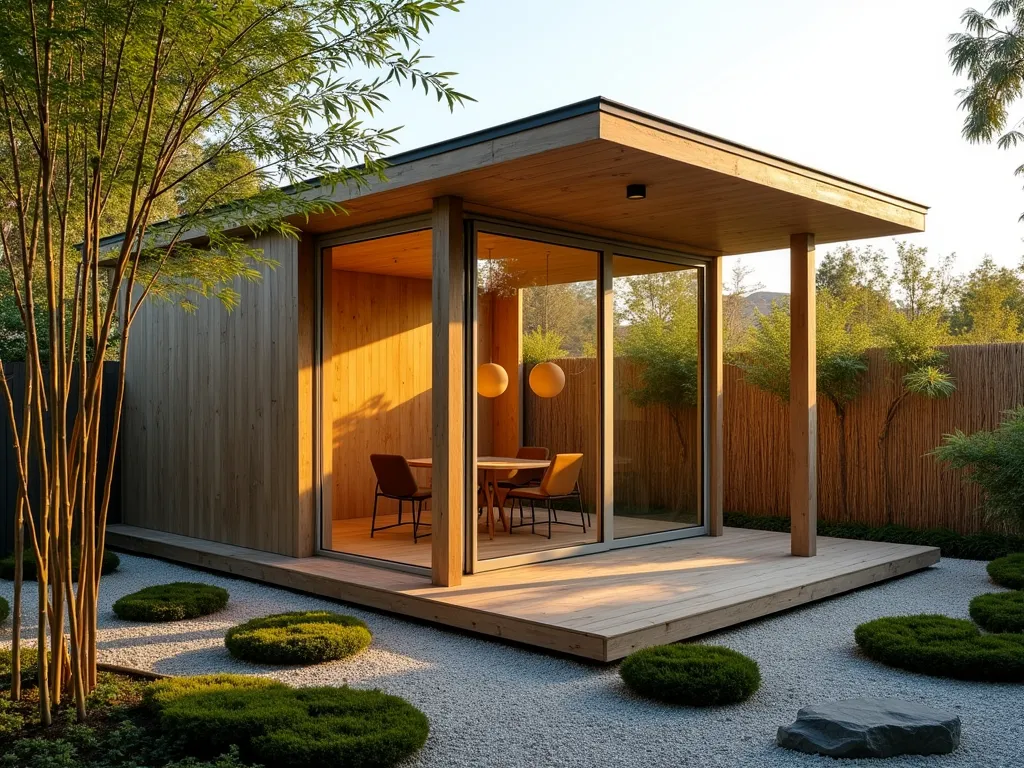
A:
(15, 374)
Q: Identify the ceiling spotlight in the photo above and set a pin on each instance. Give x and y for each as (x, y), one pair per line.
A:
(636, 191)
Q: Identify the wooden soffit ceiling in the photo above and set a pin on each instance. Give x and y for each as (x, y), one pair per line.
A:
(704, 195)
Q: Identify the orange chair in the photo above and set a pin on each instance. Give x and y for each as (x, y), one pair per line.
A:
(521, 478)
(560, 481)
(396, 481)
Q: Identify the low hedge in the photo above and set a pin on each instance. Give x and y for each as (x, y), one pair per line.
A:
(162, 692)
(1008, 571)
(308, 637)
(973, 546)
(999, 611)
(943, 647)
(282, 727)
(694, 675)
(5, 610)
(171, 602)
(111, 563)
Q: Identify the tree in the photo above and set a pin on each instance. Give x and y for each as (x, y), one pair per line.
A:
(735, 317)
(989, 52)
(991, 305)
(567, 310)
(911, 346)
(857, 274)
(922, 289)
(115, 115)
(539, 346)
(659, 333)
(841, 341)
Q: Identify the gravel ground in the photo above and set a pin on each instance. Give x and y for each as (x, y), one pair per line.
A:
(493, 705)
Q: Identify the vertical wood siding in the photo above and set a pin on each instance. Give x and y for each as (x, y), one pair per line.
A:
(212, 415)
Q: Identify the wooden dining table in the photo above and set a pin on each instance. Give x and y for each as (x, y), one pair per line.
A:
(490, 466)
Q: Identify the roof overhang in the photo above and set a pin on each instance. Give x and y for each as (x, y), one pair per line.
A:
(569, 168)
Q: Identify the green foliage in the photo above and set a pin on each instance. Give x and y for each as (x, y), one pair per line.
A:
(111, 563)
(1008, 571)
(29, 658)
(660, 335)
(11, 721)
(988, 51)
(284, 727)
(991, 305)
(911, 343)
(308, 637)
(692, 675)
(999, 611)
(943, 647)
(568, 310)
(929, 382)
(163, 692)
(171, 602)
(841, 342)
(5, 610)
(539, 346)
(995, 462)
(974, 546)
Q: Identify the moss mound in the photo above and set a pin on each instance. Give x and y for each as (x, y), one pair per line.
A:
(999, 611)
(1008, 571)
(5, 610)
(695, 675)
(308, 637)
(282, 727)
(171, 602)
(943, 647)
(111, 563)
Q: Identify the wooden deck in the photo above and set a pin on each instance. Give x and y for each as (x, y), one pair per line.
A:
(600, 606)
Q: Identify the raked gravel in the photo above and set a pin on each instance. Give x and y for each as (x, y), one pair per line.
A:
(491, 704)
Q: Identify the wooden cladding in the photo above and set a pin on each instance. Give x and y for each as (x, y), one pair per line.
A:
(210, 445)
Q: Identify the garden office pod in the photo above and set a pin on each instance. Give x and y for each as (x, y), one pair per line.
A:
(448, 401)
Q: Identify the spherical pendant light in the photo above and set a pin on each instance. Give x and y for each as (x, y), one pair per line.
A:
(491, 380)
(547, 380)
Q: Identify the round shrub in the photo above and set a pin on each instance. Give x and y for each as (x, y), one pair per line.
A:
(171, 602)
(943, 647)
(111, 562)
(1008, 571)
(282, 727)
(695, 675)
(308, 637)
(5, 610)
(999, 611)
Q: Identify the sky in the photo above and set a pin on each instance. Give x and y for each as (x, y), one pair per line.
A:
(858, 88)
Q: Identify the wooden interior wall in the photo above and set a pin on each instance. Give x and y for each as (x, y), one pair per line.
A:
(210, 440)
(381, 329)
(989, 378)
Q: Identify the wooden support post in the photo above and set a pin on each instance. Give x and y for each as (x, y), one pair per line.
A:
(507, 351)
(605, 399)
(715, 454)
(803, 401)
(448, 478)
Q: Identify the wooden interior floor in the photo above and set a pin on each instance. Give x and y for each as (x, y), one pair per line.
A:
(352, 536)
(601, 606)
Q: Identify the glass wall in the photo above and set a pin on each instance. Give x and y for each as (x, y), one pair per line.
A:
(537, 424)
(657, 403)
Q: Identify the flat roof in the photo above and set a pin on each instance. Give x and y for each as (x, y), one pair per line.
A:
(752, 197)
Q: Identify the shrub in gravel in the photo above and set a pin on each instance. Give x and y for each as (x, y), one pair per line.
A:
(695, 675)
(943, 647)
(5, 610)
(999, 611)
(305, 637)
(1008, 571)
(111, 562)
(171, 602)
(282, 727)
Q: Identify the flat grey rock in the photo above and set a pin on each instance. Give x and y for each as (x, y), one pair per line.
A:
(871, 727)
